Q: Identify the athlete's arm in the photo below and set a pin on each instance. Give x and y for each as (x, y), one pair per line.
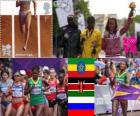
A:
(128, 75)
(46, 84)
(35, 6)
(17, 3)
(128, 23)
(1, 94)
(9, 91)
(27, 89)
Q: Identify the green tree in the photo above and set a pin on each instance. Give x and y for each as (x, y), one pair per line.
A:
(55, 21)
(132, 26)
(56, 30)
(83, 6)
(137, 19)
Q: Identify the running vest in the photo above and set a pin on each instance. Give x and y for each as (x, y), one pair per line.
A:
(52, 96)
(121, 78)
(36, 93)
(18, 90)
(61, 92)
(4, 89)
(4, 85)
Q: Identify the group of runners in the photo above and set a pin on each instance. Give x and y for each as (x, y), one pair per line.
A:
(34, 93)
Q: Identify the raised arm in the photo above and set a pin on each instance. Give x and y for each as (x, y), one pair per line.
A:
(17, 3)
(35, 6)
(128, 22)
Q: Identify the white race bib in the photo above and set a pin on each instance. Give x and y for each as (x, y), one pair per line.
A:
(4, 89)
(62, 96)
(36, 91)
(53, 89)
(17, 91)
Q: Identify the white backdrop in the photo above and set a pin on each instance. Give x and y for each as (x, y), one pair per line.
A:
(64, 8)
(8, 7)
(137, 27)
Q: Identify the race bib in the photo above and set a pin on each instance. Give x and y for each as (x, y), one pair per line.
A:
(4, 89)
(62, 96)
(53, 89)
(17, 92)
(36, 91)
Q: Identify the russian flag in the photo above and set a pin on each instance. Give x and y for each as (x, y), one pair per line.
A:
(81, 109)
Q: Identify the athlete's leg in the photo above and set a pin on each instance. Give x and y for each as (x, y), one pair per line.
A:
(39, 110)
(124, 105)
(30, 112)
(8, 110)
(23, 28)
(27, 25)
(115, 106)
(26, 109)
(55, 110)
(51, 111)
(22, 22)
(46, 111)
(58, 110)
(20, 110)
(13, 112)
(33, 112)
(3, 109)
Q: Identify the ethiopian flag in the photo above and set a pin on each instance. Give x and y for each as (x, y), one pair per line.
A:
(82, 67)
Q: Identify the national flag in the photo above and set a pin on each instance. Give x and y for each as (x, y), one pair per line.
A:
(81, 99)
(80, 112)
(81, 93)
(74, 90)
(82, 67)
(127, 93)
